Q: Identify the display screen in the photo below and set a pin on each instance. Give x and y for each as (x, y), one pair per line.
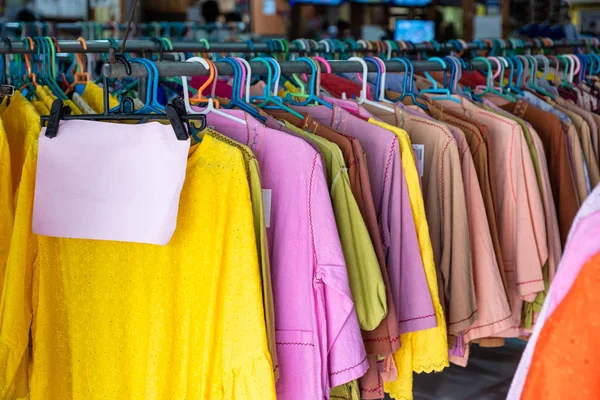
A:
(370, 1)
(317, 2)
(411, 3)
(415, 31)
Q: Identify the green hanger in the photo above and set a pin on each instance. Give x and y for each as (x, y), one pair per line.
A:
(489, 88)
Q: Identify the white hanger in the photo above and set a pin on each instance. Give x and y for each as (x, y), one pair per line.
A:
(382, 80)
(248, 78)
(363, 91)
(210, 107)
(327, 48)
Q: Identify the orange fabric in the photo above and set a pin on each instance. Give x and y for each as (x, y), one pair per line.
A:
(567, 352)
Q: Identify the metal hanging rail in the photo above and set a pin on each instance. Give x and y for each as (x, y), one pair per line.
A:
(167, 69)
(154, 46)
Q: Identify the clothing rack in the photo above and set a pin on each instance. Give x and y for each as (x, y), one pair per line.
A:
(139, 46)
(169, 69)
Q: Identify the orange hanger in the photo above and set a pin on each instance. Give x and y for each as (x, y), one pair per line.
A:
(211, 78)
(81, 76)
(30, 74)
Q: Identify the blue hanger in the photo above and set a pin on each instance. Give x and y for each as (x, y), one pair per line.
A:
(312, 96)
(407, 84)
(378, 78)
(511, 63)
(154, 83)
(236, 100)
(446, 95)
(269, 100)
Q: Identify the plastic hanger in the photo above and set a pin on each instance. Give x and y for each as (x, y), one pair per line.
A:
(514, 68)
(533, 77)
(382, 81)
(269, 100)
(435, 90)
(312, 87)
(407, 84)
(236, 100)
(489, 89)
(362, 99)
(210, 106)
(154, 82)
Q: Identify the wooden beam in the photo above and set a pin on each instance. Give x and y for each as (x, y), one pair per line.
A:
(505, 5)
(468, 16)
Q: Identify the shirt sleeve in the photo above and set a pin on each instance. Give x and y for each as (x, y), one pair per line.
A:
(6, 203)
(459, 287)
(16, 305)
(532, 248)
(366, 281)
(250, 375)
(414, 307)
(340, 337)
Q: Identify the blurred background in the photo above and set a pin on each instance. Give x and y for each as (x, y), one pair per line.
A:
(414, 20)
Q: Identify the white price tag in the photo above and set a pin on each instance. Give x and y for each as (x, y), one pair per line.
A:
(419, 150)
(266, 197)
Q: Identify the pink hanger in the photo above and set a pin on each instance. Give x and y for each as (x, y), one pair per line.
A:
(499, 69)
(576, 61)
(325, 63)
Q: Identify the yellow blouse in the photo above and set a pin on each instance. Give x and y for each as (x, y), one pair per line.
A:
(129, 321)
(427, 350)
(22, 125)
(6, 202)
(93, 95)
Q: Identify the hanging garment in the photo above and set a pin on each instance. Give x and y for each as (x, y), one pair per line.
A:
(384, 340)
(366, 282)
(587, 146)
(73, 304)
(6, 202)
(434, 355)
(262, 248)
(588, 117)
(82, 105)
(424, 347)
(520, 215)
(477, 138)
(493, 310)
(579, 248)
(531, 310)
(445, 206)
(318, 337)
(552, 133)
(414, 307)
(22, 126)
(93, 95)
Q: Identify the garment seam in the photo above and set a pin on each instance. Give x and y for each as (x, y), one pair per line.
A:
(312, 231)
(385, 179)
(486, 325)
(512, 139)
(463, 320)
(528, 282)
(349, 368)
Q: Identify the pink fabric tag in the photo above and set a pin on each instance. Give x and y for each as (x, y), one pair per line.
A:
(107, 181)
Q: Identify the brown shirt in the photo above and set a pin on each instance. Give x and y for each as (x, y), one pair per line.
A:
(552, 133)
(476, 135)
(591, 118)
(585, 140)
